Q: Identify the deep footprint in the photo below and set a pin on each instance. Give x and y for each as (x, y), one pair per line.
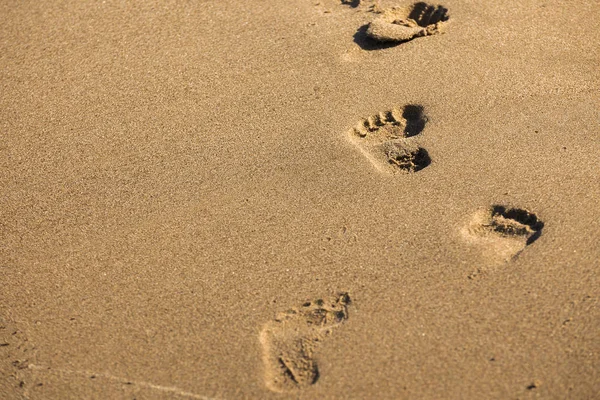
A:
(400, 24)
(382, 139)
(289, 342)
(503, 232)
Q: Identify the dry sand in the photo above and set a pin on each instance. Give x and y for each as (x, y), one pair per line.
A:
(187, 211)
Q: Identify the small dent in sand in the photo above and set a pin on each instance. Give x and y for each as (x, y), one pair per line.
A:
(534, 385)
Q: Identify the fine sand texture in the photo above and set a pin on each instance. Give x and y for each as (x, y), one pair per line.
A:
(299, 199)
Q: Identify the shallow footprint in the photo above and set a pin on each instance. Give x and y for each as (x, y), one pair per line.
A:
(503, 232)
(16, 353)
(382, 139)
(289, 342)
(400, 24)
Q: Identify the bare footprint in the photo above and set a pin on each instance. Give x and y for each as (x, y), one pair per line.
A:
(400, 24)
(503, 232)
(290, 340)
(382, 139)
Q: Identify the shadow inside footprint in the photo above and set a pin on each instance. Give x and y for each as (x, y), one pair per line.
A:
(351, 3)
(425, 14)
(409, 160)
(366, 42)
(415, 119)
(516, 221)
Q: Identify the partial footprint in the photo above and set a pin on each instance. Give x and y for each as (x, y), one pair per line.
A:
(16, 352)
(382, 139)
(400, 24)
(503, 232)
(289, 342)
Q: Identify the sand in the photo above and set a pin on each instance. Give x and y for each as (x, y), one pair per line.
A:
(187, 211)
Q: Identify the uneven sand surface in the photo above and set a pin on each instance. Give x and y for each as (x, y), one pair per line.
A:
(176, 174)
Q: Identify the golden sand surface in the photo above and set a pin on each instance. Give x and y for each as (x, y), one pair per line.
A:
(312, 199)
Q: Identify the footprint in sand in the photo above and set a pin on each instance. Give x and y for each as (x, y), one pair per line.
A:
(503, 232)
(382, 138)
(400, 24)
(290, 340)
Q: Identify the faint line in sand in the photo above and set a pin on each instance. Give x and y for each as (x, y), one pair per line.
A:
(169, 389)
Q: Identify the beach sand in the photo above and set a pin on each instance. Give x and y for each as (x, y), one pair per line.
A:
(233, 199)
